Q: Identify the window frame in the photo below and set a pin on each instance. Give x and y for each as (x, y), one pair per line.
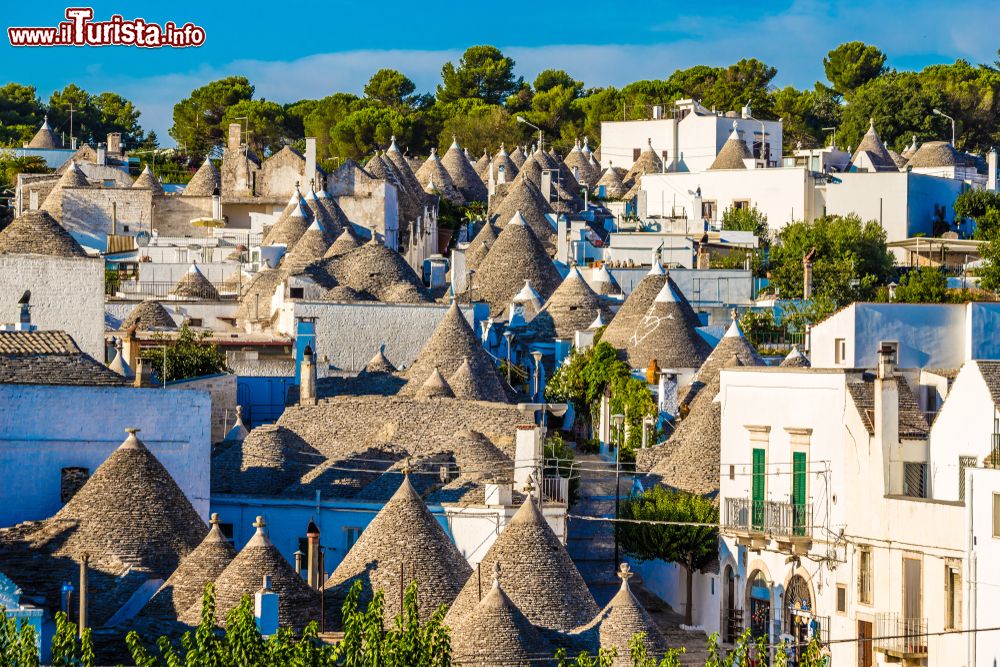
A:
(866, 573)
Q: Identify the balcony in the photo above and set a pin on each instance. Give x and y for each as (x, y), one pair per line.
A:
(783, 521)
(900, 637)
(555, 489)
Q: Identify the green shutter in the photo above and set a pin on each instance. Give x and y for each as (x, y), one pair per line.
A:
(799, 491)
(757, 505)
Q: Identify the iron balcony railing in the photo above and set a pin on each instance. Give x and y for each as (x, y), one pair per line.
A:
(900, 636)
(556, 489)
(768, 517)
(992, 459)
(148, 289)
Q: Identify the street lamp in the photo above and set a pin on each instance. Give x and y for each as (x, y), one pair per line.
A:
(834, 130)
(617, 420)
(522, 119)
(938, 112)
(537, 356)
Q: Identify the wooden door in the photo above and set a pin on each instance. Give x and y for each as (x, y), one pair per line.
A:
(865, 635)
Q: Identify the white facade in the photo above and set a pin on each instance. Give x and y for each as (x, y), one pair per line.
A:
(45, 429)
(67, 294)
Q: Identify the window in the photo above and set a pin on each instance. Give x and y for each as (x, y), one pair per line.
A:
(708, 210)
(996, 515)
(864, 574)
(953, 596)
(194, 322)
(296, 292)
(227, 532)
(839, 350)
(964, 462)
(759, 482)
(841, 598)
(741, 204)
(799, 513)
(915, 480)
(891, 347)
(351, 535)
(636, 152)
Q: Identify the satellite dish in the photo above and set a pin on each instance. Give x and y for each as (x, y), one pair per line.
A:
(142, 239)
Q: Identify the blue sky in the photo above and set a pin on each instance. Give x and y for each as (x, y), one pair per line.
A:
(300, 50)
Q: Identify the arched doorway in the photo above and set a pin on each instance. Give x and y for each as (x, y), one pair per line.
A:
(732, 620)
(798, 613)
(759, 594)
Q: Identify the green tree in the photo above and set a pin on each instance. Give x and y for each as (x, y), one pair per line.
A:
(361, 131)
(483, 72)
(970, 95)
(924, 285)
(21, 114)
(900, 105)
(687, 532)
(746, 220)
(390, 87)
(850, 260)
(266, 122)
(198, 118)
(72, 110)
(805, 113)
(18, 643)
(745, 82)
(187, 356)
(982, 207)
(989, 273)
(117, 114)
(481, 127)
(853, 64)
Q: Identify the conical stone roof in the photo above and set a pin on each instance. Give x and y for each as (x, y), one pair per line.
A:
(483, 166)
(510, 166)
(205, 181)
(436, 180)
(733, 343)
(463, 175)
(632, 312)
(666, 334)
(133, 510)
(38, 233)
(795, 359)
(732, 153)
(45, 138)
(297, 603)
(435, 386)
(935, 154)
(310, 247)
(379, 364)
(539, 576)
(289, 228)
(149, 315)
(403, 536)
(480, 245)
(524, 198)
(648, 163)
(321, 216)
(377, 270)
(517, 156)
(910, 150)
(344, 244)
(872, 144)
(271, 458)
(606, 283)
(452, 344)
(613, 183)
(338, 219)
(194, 285)
(403, 168)
(470, 386)
(515, 257)
(495, 633)
(73, 177)
(147, 180)
(571, 308)
(186, 586)
(622, 619)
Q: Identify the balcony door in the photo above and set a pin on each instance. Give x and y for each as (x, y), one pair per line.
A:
(759, 482)
(799, 493)
(912, 589)
(865, 635)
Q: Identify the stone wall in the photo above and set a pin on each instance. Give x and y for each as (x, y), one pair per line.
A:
(67, 294)
(172, 215)
(222, 389)
(280, 172)
(349, 334)
(88, 212)
(376, 208)
(44, 429)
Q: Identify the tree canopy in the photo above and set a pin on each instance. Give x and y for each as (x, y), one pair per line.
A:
(852, 65)
(483, 72)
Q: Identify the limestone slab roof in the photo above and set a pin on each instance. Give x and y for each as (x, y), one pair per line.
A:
(379, 364)
(795, 359)
(297, 603)
(634, 309)
(539, 576)
(49, 358)
(194, 285)
(912, 420)
(732, 153)
(38, 233)
(205, 182)
(289, 228)
(45, 137)
(517, 156)
(872, 144)
(463, 174)
(343, 244)
(648, 163)
(435, 180)
(147, 180)
(523, 198)
(452, 344)
(310, 247)
(571, 308)
(613, 182)
(496, 633)
(480, 245)
(667, 333)
(516, 256)
(935, 154)
(733, 343)
(375, 269)
(404, 537)
(990, 370)
(267, 461)
(148, 315)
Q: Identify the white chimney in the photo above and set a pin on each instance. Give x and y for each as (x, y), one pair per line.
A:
(498, 494)
(527, 456)
(547, 185)
(657, 112)
(886, 418)
(307, 378)
(745, 112)
(311, 162)
(102, 154)
(991, 170)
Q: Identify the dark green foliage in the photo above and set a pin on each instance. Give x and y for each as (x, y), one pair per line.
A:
(746, 220)
(982, 207)
(693, 546)
(18, 643)
(924, 285)
(850, 262)
(389, 87)
(187, 356)
(559, 460)
(198, 127)
(852, 65)
(264, 122)
(94, 116)
(483, 72)
(21, 114)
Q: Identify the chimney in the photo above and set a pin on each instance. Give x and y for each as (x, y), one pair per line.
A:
(498, 494)
(83, 594)
(216, 204)
(310, 174)
(991, 170)
(313, 577)
(24, 322)
(114, 143)
(527, 456)
(143, 372)
(807, 274)
(114, 218)
(886, 418)
(307, 381)
(667, 392)
(235, 139)
(547, 185)
(265, 608)
(298, 561)
(102, 154)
